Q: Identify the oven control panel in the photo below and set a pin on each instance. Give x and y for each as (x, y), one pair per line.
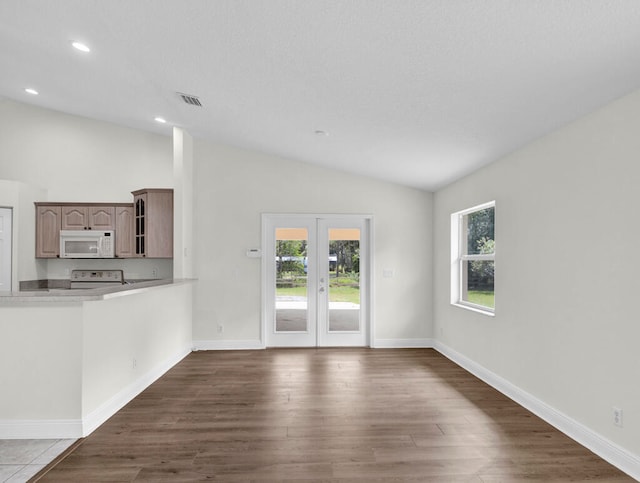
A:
(104, 276)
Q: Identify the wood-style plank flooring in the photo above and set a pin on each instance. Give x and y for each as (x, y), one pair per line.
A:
(326, 415)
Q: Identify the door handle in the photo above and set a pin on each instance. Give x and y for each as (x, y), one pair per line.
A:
(321, 289)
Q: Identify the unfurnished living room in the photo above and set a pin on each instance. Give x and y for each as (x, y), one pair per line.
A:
(324, 240)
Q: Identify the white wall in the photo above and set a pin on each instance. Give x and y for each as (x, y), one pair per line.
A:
(66, 367)
(73, 158)
(234, 187)
(183, 194)
(566, 326)
(129, 341)
(40, 365)
(20, 197)
(79, 159)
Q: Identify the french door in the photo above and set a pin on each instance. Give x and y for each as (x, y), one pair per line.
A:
(315, 280)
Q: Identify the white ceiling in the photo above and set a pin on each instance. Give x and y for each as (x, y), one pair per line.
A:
(417, 92)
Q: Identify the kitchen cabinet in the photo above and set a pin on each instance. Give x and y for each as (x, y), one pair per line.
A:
(142, 229)
(124, 232)
(88, 217)
(51, 217)
(48, 219)
(153, 223)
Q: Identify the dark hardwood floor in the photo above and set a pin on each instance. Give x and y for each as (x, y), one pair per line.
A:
(326, 415)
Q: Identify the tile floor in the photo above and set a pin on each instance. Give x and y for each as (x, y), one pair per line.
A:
(20, 459)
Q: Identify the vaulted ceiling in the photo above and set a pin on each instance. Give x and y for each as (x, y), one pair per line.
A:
(417, 92)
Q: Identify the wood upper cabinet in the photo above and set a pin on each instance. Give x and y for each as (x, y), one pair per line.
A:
(153, 223)
(102, 218)
(53, 217)
(88, 217)
(48, 231)
(124, 232)
(142, 229)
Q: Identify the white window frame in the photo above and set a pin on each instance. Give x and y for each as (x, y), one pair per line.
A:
(459, 256)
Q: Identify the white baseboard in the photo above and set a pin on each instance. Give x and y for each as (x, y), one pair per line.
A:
(607, 450)
(227, 345)
(403, 343)
(218, 345)
(119, 400)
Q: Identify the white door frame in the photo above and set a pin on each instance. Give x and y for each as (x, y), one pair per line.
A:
(268, 220)
(6, 251)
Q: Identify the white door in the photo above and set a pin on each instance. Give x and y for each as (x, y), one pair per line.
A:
(315, 280)
(5, 249)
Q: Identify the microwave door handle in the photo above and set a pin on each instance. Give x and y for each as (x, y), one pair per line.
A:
(100, 247)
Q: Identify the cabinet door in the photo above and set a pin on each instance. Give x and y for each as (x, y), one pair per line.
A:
(140, 207)
(75, 217)
(154, 223)
(159, 243)
(124, 232)
(102, 217)
(48, 231)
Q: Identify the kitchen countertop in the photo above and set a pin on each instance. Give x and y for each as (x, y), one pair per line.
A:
(62, 295)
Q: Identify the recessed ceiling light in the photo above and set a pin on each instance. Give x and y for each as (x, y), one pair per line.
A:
(31, 91)
(320, 132)
(161, 120)
(80, 46)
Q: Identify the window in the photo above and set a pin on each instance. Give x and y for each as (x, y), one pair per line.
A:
(473, 258)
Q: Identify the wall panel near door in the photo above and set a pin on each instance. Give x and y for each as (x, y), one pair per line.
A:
(6, 242)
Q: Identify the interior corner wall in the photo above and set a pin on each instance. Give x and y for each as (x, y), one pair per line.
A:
(566, 327)
(233, 187)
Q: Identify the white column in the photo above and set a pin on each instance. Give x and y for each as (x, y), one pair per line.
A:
(183, 266)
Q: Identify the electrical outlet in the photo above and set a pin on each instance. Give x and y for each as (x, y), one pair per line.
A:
(154, 272)
(617, 416)
(220, 328)
(134, 364)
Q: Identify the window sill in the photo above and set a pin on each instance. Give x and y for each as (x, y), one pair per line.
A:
(475, 308)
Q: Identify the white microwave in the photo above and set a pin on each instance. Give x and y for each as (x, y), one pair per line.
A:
(87, 244)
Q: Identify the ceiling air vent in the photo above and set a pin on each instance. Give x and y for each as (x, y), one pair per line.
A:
(191, 100)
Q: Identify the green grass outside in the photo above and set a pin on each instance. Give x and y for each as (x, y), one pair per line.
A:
(336, 294)
(291, 291)
(482, 297)
(344, 294)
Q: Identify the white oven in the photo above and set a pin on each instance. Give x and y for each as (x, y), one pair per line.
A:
(87, 244)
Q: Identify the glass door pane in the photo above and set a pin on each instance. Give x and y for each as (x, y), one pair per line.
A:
(292, 295)
(289, 262)
(342, 287)
(344, 279)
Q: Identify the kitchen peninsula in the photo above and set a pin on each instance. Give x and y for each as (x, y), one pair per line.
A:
(70, 359)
